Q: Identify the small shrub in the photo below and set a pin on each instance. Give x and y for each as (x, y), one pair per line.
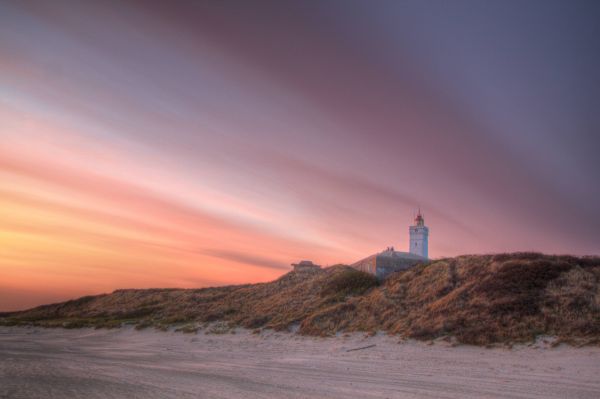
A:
(349, 282)
(188, 329)
(108, 324)
(256, 322)
(219, 328)
(138, 313)
(143, 324)
(9, 322)
(75, 324)
(517, 286)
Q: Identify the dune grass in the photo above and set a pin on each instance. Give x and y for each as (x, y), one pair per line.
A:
(477, 299)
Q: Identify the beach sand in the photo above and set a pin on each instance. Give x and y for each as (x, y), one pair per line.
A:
(125, 363)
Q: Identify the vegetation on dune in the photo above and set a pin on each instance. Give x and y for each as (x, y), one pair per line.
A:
(503, 298)
(349, 282)
(476, 299)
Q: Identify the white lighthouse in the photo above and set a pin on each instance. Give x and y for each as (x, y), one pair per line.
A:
(419, 237)
(389, 261)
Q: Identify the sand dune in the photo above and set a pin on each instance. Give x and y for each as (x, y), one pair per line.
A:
(124, 363)
(477, 299)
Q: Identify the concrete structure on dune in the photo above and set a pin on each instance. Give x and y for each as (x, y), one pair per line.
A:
(305, 265)
(384, 263)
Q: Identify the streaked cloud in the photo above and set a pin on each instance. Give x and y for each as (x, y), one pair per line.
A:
(154, 144)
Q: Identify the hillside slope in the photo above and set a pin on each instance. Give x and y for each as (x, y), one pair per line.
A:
(478, 299)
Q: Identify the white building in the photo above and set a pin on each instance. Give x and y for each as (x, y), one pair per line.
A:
(419, 237)
(384, 263)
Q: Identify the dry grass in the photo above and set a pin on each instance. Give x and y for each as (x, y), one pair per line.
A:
(481, 300)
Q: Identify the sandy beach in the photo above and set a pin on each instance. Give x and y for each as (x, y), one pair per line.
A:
(124, 363)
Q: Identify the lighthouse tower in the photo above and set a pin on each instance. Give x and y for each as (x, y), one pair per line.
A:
(419, 237)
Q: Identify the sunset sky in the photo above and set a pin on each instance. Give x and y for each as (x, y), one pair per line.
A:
(187, 144)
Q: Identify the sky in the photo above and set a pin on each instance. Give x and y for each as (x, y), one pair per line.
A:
(191, 144)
